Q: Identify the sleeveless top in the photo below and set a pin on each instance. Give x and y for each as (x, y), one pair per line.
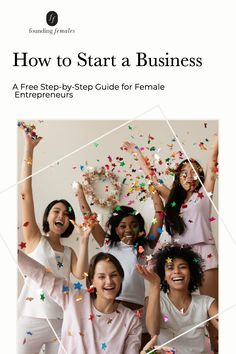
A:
(33, 301)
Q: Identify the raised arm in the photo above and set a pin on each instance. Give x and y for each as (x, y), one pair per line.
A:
(153, 314)
(133, 149)
(212, 166)
(97, 232)
(157, 221)
(44, 278)
(80, 264)
(31, 231)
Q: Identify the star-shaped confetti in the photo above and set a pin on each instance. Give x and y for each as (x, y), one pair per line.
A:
(212, 218)
(173, 204)
(42, 297)
(200, 195)
(78, 285)
(148, 257)
(104, 346)
(91, 317)
(169, 260)
(22, 245)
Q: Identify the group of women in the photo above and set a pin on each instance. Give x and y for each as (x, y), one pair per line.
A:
(113, 314)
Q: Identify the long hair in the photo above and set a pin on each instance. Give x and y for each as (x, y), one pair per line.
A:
(173, 221)
(119, 213)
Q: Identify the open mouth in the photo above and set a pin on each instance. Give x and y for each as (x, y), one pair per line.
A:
(109, 289)
(59, 223)
(177, 279)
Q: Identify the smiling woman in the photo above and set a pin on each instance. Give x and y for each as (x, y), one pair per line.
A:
(34, 305)
(93, 320)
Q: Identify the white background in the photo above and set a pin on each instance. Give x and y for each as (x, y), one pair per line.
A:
(105, 28)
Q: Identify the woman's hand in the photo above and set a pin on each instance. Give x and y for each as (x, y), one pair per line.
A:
(130, 147)
(150, 345)
(149, 275)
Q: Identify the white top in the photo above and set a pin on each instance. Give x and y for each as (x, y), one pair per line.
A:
(133, 287)
(174, 322)
(196, 214)
(33, 301)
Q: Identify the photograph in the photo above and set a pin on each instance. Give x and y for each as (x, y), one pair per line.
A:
(117, 236)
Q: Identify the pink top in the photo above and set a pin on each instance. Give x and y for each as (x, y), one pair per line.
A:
(86, 330)
(196, 214)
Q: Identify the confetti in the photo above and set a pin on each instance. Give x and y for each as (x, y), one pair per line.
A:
(91, 317)
(22, 245)
(29, 298)
(109, 320)
(154, 221)
(75, 185)
(104, 346)
(148, 257)
(26, 224)
(91, 289)
(159, 230)
(65, 289)
(200, 195)
(209, 255)
(152, 237)
(78, 285)
(42, 297)
(173, 204)
(202, 146)
(79, 298)
(169, 260)
(165, 318)
(212, 219)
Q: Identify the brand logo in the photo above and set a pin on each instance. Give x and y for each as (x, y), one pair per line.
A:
(52, 18)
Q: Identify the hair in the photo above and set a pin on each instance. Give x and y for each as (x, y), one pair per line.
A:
(101, 256)
(173, 221)
(70, 210)
(185, 252)
(118, 214)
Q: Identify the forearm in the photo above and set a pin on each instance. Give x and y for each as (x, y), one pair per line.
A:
(82, 263)
(153, 310)
(26, 169)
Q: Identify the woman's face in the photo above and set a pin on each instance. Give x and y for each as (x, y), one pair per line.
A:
(128, 229)
(188, 178)
(106, 280)
(58, 218)
(177, 273)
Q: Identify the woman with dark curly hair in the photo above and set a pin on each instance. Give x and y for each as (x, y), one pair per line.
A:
(172, 307)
